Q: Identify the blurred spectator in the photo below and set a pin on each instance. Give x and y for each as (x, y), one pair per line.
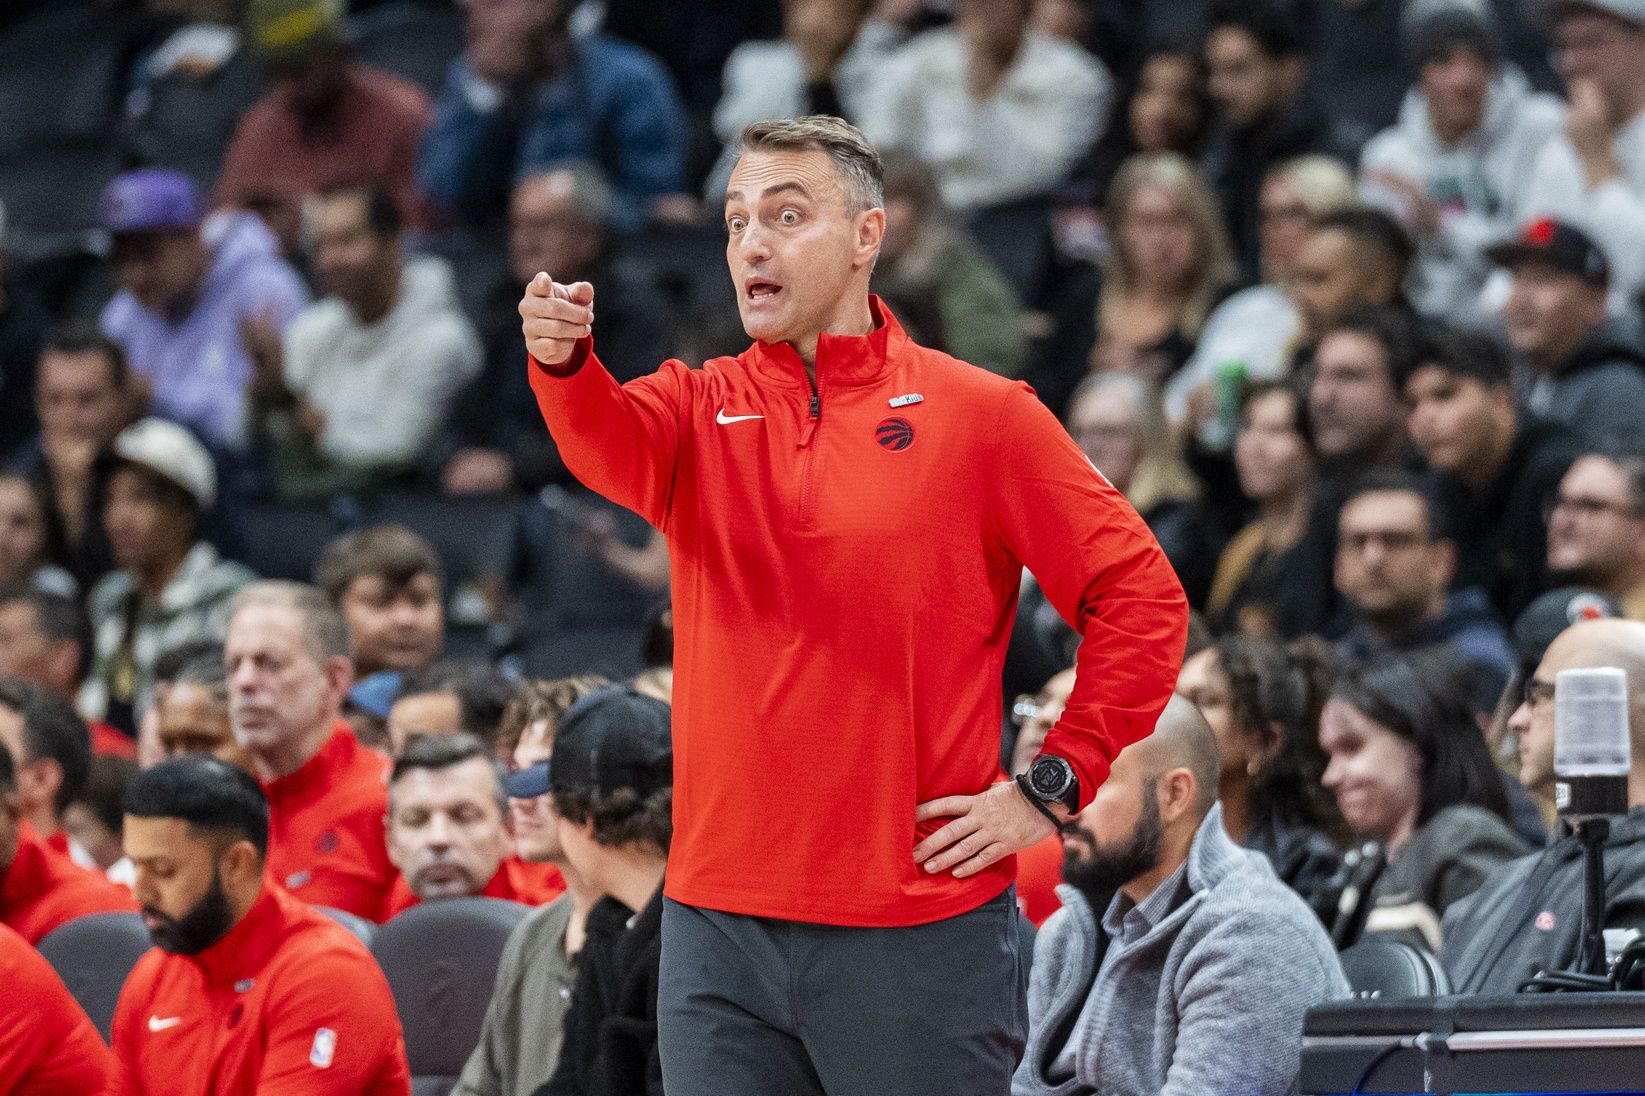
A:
(519, 1043)
(340, 409)
(559, 221)
(93, 820)
(385, 580)
(40, 887)
(46, 638)
(1116, 418)
(1354, 256)
(171, 586)
(938, 281)
(1354, 407)
(998, 109)
(1410, 771)
(612, 781)
(22, 324)
(1258, 66)
(1454, 168)
(1393, 568)
(23, 520)
(50, 1043)
(83, 397)
(1496, 466)
(193, 714)
(1526, 917)
(1178, 962)
(288, 668)
(189, 288)
(448, 828)
(190, 90)
(450, 698)
(1587, 373)
(168, 668)
(1253, 334)
(797, 74)
(1274, 578)
(1168, 267)
(1165, 107)
(1259, 706)
(1593, 174)
(50, 749)
(308, 1005)
(526, 95)
(1596, 528)
(327, 121)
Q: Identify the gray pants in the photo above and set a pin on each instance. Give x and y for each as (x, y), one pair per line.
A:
(749, 1006)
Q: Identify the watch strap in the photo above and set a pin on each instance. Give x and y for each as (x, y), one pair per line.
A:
(1027, 790)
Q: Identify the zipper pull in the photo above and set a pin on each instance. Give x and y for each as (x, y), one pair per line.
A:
(816, 404)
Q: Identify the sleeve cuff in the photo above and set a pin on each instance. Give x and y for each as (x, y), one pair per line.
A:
(572, 365)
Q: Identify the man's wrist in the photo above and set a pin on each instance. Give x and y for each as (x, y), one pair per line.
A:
(1027, 791)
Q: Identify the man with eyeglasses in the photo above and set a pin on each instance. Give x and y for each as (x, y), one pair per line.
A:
(1594, 174)
(1596, 527)
(1527, 915)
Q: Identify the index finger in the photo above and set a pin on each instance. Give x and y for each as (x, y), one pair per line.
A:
(947, 807)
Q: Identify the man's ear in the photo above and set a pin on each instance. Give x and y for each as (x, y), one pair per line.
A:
(63, 663)
(870, 234)
(40, 779)
(1177, 791)
(240, 862)
(339, 676)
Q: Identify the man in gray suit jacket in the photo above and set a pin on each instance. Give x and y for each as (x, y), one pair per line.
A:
(1179, 964)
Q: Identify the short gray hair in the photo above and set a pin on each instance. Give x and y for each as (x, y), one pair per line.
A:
(859, 166)
(325, 633)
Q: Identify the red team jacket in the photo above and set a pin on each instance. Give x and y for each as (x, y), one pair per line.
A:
(288, 1003)
(326, 842)
(43, 888)
(846, 565)
(47, 1044)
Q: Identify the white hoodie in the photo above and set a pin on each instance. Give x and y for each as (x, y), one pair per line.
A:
(1479, 185)
(386, 387)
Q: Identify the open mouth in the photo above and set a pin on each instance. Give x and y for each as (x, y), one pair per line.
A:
(758, 290)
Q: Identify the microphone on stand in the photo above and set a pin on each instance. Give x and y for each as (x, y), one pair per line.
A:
(1592, 759)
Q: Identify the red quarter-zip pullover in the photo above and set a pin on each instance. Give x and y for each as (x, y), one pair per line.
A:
(845, 561)
(287, 1003)
(47, 1044)
(43, 889)
(326, 842)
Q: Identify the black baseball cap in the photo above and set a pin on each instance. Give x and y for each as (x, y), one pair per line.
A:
(1542, 621)
(610, 740)
(529, 782)
(1557, 244)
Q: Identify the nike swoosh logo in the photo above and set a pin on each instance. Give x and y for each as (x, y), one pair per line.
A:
(157, 1024)
(725, 420)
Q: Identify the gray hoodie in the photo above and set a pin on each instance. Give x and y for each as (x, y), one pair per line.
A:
(1209, 1002)
(1477, 185)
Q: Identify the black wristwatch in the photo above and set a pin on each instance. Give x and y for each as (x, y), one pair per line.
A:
(1050, 779)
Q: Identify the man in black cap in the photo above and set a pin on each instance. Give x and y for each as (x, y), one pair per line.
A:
(612, 775)
(1588, 371)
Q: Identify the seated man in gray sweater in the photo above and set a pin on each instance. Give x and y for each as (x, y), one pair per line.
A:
(1179, 964)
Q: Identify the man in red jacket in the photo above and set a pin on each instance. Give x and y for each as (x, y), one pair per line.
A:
(248, 992)
(47, 1044)
(288, 671)
(848, 515)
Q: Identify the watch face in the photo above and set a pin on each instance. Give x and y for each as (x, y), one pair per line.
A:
(1049, 777)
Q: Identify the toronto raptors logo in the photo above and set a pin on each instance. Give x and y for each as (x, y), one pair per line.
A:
(326, 842)
(895, 434)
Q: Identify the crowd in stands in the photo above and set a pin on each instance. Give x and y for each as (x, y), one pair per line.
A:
(297, 597)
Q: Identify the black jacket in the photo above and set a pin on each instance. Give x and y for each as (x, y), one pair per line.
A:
(1527, 915)
(1500, 533)
(1599, 391)
(610, 1046)
(1304, 859)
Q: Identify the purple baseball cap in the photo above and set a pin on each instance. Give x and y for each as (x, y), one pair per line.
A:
(150, 200)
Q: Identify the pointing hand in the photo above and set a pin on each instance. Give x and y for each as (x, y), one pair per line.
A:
(554, 316)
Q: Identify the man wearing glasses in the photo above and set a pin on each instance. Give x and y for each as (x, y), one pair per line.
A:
(1527, 915)
(1596, 527)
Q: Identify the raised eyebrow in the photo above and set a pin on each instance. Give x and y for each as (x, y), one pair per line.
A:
(778, 188)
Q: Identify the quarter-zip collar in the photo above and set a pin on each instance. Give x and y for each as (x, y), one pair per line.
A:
(311, 779)
(843, 361)
(246, 948)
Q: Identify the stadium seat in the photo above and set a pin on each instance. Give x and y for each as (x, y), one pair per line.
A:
(440, 959)
(93, 955)
(416, 40)
(282, 540)
(1388, 969)
(362, 929)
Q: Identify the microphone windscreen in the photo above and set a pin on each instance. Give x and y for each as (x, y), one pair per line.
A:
(1591, 722)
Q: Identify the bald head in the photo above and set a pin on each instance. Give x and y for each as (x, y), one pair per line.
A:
(1587, 645)
(1182, 740)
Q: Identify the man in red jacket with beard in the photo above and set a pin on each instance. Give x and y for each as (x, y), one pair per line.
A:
(848, 515)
